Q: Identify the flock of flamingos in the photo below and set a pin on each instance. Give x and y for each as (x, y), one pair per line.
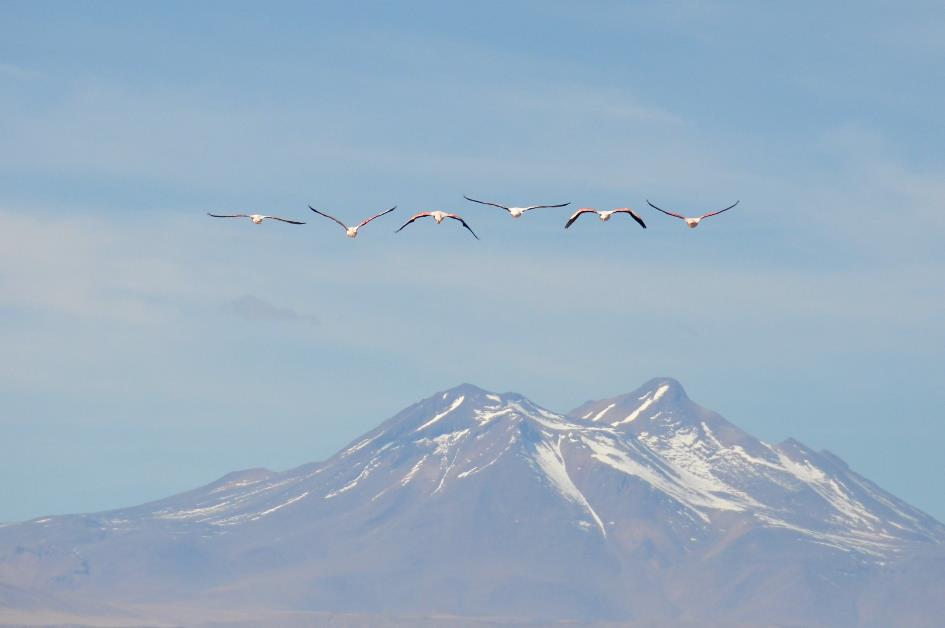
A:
(514, 212)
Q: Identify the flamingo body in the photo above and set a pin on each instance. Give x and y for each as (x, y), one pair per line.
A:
(514, 212)
(256, 218)
(604, 215)
(692, 221)
(352, 232)
(438, 216)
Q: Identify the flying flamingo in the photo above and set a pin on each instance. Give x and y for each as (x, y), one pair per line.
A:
(605, 215)
(352, 232)
(515, 212)
(692, 222)
(256, 218)
(439, 217)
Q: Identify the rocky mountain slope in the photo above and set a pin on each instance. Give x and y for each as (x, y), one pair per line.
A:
(640, 508)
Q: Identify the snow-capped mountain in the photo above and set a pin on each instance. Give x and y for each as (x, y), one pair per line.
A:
(710, 467)
(641, 507)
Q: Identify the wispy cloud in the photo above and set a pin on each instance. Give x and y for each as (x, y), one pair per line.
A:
(86, 268)
(9, 70)
(254, 309)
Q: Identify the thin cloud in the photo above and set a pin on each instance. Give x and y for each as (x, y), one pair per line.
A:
(9, 70)
(254, 309)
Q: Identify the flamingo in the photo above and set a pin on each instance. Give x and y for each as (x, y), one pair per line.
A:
(605, 215)
(692, 222)
(352, 232)
(438, 216)
(256, 218)
(515, 212)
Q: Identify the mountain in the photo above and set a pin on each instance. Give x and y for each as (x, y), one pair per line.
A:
(470, 506)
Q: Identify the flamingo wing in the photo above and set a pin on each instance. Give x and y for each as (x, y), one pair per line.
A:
(673, 214)
(575, 215)
(632, 214)
(720, 211)
(367, 220)
(343, 225)
(291, 222)
(525, 209)
(486, 203)
(414, 217)
(455, 217)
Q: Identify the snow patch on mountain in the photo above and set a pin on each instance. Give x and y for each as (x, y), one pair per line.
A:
(487, 415)
(279, 507)
(404, 481)
(649, 400)
(696, 493)
(372, 464)
(550, 460)
(361, 445)
(456, 403)
(599, 415)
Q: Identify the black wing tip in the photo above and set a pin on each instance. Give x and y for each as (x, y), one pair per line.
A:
(468, 228)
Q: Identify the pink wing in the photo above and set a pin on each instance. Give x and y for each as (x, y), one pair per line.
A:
(673, 214)
(486, 203)
(455, 217)
(414, 217)
(720, 211)
(343, 225)
(574, 216)
(367, 220)
(633, 214)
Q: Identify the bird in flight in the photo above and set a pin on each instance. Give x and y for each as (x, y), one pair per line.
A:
(439, 217)
(256, 218)
(605, 215)
(515, 212)
(692, 222)
(352, 232)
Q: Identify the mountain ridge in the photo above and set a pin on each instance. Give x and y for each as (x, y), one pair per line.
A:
(663, 510)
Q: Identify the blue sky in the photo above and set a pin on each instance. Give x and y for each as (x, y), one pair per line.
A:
(148, 349)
